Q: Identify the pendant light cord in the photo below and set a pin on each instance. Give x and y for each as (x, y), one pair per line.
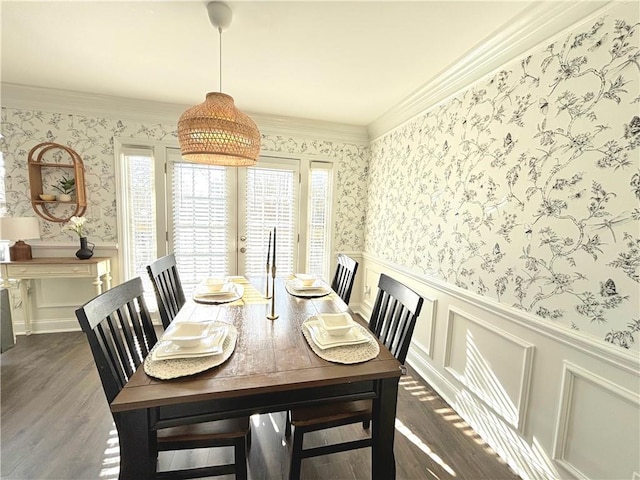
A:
(220, 32)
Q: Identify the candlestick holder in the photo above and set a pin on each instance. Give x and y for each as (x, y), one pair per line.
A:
(266, 289)
(273, 315)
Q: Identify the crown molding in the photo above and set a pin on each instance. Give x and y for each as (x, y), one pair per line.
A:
(78, 103)
(537, 23)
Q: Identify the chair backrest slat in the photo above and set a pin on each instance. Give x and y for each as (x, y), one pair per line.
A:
(344, 277)
(120, 333)
(394, 315)
(167, 286)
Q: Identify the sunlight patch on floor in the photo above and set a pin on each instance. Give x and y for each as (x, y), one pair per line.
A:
(111, 460)
(414, 388)
(404, 430)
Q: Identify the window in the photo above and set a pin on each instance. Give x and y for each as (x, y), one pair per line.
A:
(200, 211)
(216, 220)
(270, 194)
(137, 211)
(319, 216)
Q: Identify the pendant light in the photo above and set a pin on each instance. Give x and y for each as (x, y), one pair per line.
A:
(215, 132)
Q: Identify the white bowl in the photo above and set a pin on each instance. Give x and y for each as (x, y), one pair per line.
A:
(187, 334)
(306, 279)
(336, 324)
(47, 197)
(213, 284)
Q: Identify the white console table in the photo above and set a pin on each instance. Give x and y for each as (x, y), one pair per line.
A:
(97, 268)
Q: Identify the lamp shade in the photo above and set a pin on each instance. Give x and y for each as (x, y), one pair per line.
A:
(215, 132)
(19, 228)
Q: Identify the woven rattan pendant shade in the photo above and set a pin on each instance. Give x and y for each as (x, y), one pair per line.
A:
(215, 132)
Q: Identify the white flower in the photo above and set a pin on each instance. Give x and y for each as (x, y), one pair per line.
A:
(76, 224)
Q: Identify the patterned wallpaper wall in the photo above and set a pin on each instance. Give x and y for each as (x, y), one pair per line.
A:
(92, 138)
(526, 186)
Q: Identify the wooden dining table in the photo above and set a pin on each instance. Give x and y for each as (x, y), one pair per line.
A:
(272, 369)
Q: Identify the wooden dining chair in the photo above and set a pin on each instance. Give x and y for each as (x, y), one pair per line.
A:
(344, 277)
(166, 284)
(120, 333)
(393, 319)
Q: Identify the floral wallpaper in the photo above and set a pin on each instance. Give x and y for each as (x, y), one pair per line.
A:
(92, 139)
(525, 187)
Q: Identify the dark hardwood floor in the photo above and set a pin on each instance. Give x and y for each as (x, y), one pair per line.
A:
(56, 424)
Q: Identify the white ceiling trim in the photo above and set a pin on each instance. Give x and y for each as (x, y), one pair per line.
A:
(533, 26)
(76, 103)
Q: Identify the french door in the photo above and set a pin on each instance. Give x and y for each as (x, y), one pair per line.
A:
(219, 219)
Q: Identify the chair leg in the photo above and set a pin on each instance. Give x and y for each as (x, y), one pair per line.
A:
(296, 455)
(287, 425)
(240, 453)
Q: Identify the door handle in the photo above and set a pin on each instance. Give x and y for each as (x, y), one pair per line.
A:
(243, 250)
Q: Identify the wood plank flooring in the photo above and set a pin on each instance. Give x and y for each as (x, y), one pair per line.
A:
(55, 424)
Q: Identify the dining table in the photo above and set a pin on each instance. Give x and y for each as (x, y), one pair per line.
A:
(272, 368)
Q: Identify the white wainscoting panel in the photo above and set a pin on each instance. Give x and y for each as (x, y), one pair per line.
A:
(491, 363)
(424, 333)
(594, 414)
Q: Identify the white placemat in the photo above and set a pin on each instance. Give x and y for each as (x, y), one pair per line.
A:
(307, 293)
(346, 354)
(217, 298)
(181, 367)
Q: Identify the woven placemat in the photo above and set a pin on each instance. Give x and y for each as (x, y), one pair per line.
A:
(346, 354)
(182, 367)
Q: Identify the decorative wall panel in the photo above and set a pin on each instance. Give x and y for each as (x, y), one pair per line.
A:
(492, 364)
(594, 415)
(424, 333)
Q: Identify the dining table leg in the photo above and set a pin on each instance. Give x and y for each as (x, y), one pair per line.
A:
(138, 452)
(383, 464)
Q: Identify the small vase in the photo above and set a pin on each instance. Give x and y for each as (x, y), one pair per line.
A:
(64, 197)
(85, 252)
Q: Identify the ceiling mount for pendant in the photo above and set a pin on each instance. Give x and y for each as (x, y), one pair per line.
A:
(220, 15)
(215, 132)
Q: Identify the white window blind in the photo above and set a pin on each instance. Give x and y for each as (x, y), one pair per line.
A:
(138, 226)
(319, 215)
(199, 221)
(270, 202)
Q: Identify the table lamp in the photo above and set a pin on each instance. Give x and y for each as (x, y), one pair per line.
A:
(19, 228)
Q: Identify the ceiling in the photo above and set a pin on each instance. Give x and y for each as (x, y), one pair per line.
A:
(347, 62)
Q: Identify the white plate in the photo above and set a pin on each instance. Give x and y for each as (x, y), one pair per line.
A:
(211, 345)
(317, 285)
(323, 340)
(202, 291)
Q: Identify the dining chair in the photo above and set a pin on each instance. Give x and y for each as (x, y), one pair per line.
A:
(344, 277)
(164, 276)
(393, 320)
(120, 333)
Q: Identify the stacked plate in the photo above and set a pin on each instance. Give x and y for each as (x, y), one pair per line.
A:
(335, 330)
(205, 291)
(228, 292)
(307, 285)
(191, 340)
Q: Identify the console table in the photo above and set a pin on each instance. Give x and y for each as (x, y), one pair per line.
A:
(97, 268)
